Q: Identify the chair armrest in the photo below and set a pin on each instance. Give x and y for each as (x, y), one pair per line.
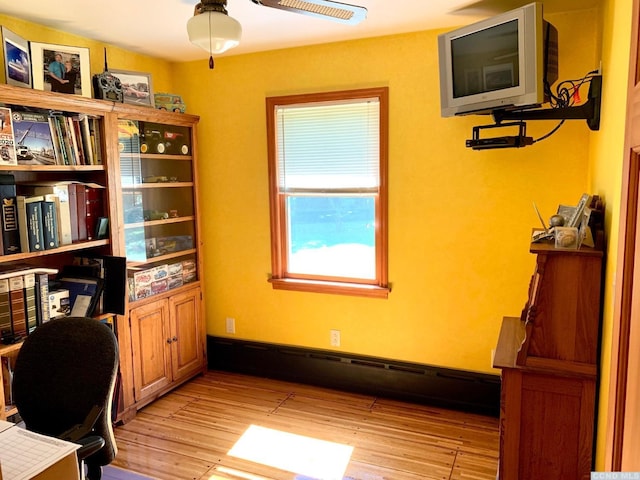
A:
(89, 446)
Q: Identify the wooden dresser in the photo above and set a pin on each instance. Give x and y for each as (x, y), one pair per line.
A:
(548, 359)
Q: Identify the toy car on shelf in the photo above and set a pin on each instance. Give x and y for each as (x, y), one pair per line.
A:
(169, 102)
(154, 139)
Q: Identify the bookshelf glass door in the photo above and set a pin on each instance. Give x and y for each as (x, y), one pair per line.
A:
(157, 181)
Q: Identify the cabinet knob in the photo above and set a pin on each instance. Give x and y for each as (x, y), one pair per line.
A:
(169, 341)
(175, 339)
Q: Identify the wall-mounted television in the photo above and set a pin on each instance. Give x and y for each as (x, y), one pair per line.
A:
(502, 62)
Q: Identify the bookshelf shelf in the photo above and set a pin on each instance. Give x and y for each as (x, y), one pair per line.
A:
(151, 223)
(154, 185)
(162, 258)
(63, 249)
(51, 168)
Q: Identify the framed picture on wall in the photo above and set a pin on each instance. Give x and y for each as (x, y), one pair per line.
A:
(136, 87)
(61, 68)
(17, 61)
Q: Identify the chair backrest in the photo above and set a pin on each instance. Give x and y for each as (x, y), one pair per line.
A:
(65, 368)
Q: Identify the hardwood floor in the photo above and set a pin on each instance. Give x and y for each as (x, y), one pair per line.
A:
(187, 433)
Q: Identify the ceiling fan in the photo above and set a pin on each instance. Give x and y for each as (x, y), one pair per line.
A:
(212, 29)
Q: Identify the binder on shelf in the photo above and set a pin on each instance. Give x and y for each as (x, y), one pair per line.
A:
(49, 223)
(30, 223)
(94, 210)
(35, 224)
(29, 292)
(9, 215)
(16, 300)
(42, 297)
(6, 329)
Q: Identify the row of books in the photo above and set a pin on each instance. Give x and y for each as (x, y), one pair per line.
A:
(37, 138)
(24, 301)
(46, 215)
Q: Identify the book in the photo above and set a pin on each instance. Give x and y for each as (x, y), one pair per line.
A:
(94, 210)
(42, 297)
(9, 215)
(16, 300)
(6, 329)
(29, 293)
(34, 145)
(35, 224)
(50, 222)
(73, 209)
(81, 209)
(87, 143)
(7, 139)
(30, 229)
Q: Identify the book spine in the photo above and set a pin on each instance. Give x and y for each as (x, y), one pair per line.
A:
(86, 140)
(55, 140)
(35, 226)
(10, 231)
(18, 314)
(22, 223)
(50, 225)
(81, 202)
(42, 298)
(6, 329)
(95, 210)
(73, 211)
(29, 293)
(96, 141)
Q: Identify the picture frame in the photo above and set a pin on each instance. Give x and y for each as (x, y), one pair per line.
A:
(136, 87)
(17, 59)
(48, 63)
(496, 77)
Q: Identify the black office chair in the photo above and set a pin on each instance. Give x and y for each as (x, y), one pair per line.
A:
(63, 385)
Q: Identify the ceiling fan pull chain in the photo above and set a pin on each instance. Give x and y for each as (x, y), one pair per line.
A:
(211, 62)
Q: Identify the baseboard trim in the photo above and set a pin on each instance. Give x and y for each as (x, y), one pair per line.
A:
(443, 387)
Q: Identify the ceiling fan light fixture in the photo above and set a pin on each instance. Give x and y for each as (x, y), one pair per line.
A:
(212, 29)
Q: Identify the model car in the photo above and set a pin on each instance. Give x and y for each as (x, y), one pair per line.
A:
(155, 140)
(169, 102)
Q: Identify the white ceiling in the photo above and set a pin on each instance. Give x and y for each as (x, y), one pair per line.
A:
(158, 27)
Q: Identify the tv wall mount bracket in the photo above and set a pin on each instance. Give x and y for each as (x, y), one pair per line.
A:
(589, 111)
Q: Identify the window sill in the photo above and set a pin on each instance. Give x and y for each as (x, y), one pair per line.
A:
(338, 288)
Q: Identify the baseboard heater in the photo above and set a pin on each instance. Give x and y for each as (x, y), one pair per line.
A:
(430, 385)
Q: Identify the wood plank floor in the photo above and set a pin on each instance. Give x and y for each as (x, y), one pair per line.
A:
(187, 433)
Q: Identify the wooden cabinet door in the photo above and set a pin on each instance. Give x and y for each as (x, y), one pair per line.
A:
(187, 349)
(150, 336)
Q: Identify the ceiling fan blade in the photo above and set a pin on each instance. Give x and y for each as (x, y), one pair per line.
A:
(339, 12)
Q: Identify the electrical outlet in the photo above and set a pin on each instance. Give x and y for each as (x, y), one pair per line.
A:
(334, 338)
(230, 325)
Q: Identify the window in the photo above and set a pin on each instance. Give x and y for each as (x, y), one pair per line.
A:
(328, 191)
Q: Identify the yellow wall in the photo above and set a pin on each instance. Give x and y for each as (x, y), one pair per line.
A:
(459, 219)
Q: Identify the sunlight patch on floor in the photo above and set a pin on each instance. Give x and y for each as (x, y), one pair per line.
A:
(317, 459)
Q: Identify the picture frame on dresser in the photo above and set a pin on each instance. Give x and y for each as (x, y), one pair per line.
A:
(51, 73)
(136, 86)
(17, 59)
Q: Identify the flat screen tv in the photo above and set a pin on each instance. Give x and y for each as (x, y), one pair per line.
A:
(499, 63)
